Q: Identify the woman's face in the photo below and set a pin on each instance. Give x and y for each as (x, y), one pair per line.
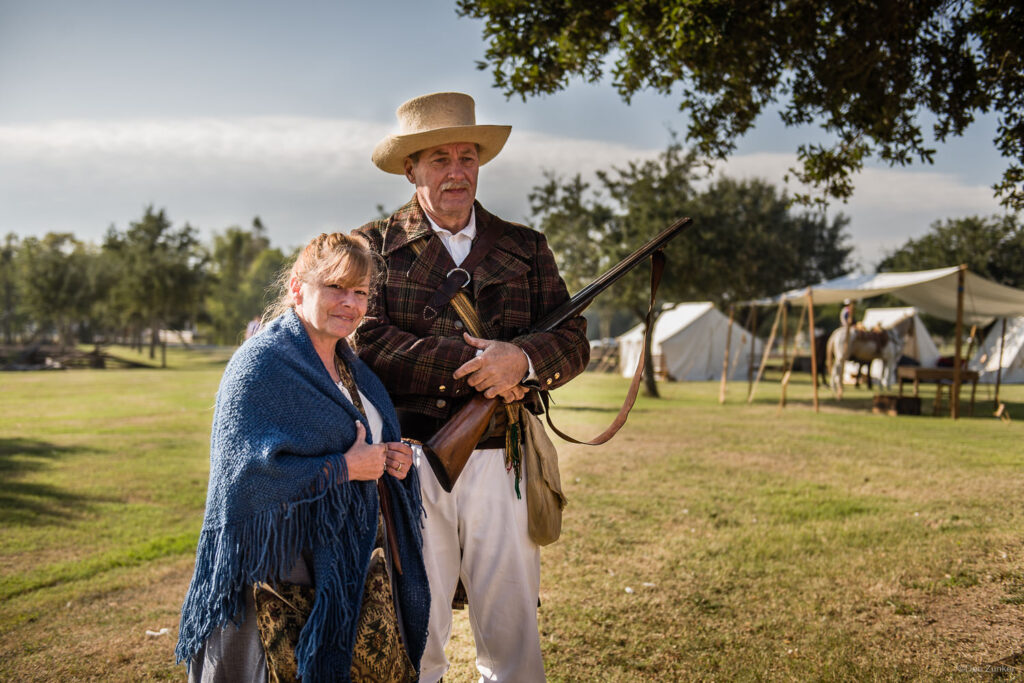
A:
(330, 311)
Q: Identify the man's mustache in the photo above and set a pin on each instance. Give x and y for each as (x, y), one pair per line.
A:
(455, 185)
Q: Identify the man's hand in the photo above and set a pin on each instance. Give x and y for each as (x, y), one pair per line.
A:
(496, 371)
(516, 393)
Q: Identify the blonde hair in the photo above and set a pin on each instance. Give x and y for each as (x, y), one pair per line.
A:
(334, 258)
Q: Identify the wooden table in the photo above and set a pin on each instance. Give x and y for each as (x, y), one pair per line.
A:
(941, 377)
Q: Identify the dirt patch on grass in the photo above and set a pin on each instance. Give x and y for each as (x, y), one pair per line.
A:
(101, 634)
(978, 629)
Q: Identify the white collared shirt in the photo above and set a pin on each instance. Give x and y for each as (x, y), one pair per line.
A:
(460, 243)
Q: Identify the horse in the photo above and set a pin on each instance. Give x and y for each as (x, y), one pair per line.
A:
(865, 346)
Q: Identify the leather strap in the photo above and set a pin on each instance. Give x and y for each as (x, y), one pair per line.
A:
(457, 280)
(468, 315)
(657, 266)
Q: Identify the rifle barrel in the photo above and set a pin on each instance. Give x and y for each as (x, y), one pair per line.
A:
(579, 301)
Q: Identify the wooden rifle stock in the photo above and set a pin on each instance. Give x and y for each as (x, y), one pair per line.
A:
(449, 449)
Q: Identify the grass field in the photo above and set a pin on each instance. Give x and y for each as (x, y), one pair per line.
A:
(705, 542)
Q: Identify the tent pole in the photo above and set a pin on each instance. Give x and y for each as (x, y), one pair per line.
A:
(814, 347)
(752, 326)
(785, 337)
(767, 349)
(787, 365)
(725, 361)
(999, 368)
(970, 345)
(954, 402)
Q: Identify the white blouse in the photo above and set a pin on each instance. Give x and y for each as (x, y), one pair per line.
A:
(372, 414)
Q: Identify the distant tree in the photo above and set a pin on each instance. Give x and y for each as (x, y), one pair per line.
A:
(746, 242)
(590, 236)
(9, 284)
(161, 273)
(573, 226)
(991, 247)
(105, 318)
(868, 73)
(61, 294)
(242, 266)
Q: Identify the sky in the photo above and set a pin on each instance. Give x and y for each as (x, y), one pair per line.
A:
(221, 111)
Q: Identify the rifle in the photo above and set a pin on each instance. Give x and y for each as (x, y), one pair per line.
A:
(449, 449)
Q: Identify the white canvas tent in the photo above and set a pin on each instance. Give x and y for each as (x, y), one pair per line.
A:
(918, 343)
(689, 344)
(986, 360)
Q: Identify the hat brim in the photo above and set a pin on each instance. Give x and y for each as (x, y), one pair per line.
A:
(390, 153)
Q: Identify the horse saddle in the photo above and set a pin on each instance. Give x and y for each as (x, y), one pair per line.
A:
(876, 336)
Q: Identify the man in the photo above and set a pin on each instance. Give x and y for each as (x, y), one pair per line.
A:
(419, 347)
(846, 313)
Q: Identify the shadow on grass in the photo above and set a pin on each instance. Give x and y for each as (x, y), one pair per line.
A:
(34, 454)
(30, 503)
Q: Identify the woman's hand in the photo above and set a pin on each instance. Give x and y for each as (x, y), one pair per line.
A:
(365, 461)
(399, 459)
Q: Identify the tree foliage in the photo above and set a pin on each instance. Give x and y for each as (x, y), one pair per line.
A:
(151, 277)
(866, 72)
(991, 247)
(12, 315)
(750, 243)
(63, 287)
(160, 273)
(746, 241)
(243, 265)
(592, 234)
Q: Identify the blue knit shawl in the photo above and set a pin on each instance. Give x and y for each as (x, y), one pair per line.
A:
(280, 429)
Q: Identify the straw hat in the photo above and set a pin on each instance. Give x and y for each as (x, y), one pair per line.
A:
(437, 119)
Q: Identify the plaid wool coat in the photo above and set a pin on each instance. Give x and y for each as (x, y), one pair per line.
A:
(513, 287)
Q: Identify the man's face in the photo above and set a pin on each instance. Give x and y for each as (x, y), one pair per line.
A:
(445, 180)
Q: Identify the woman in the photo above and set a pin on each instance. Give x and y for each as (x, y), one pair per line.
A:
(304, 438)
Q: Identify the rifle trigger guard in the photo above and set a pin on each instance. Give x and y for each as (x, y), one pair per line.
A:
(469, 278)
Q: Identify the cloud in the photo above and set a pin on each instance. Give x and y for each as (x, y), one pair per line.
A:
(889, 206)
(881, 188)
(304, 175)
(301, 175)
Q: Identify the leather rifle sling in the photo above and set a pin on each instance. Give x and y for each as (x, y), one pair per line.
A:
(457, 280)
(657, 266)
(463, 306)
(466, 311)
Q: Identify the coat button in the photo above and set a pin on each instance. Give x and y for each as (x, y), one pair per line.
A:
(557, 375)
(458, 324)
(442, 388)
(441, 403)
(549, 380)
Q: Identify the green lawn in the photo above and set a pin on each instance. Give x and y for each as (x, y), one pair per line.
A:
(706, 541)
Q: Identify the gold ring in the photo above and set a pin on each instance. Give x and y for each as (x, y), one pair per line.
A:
(398, 467)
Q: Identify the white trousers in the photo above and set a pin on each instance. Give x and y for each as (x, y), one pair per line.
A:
(478, 532)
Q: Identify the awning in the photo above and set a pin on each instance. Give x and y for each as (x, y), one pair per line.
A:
(932, 291)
